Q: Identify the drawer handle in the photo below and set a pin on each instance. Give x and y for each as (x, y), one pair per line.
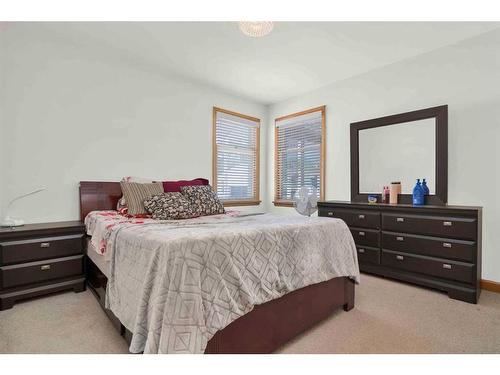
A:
(361, 233)
(361, 251)
(446, 244)
(361, 216)
(45, 244)
(330, 213)
(400, 257)
(447, 266)
(45, 267)
(400, 219)
(400, 238)
(447, 223)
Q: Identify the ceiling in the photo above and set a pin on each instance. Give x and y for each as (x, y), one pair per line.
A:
(295, 58)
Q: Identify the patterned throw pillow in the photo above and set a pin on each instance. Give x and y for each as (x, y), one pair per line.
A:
(169, 206)
(203, 199)
(135, 193)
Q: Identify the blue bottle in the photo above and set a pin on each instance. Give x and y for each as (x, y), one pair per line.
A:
(418, 194)
(424, 186)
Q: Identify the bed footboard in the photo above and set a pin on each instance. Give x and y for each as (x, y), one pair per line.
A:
(270, 325)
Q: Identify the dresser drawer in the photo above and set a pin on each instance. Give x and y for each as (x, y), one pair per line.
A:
(40, 248)
(355, 218)
(449, 227)
(366, 237)
(368, 254)
(34, 272)
(433, 246)
(451, 270)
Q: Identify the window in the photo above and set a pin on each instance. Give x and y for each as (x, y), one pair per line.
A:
(299, 154)
(236, 140)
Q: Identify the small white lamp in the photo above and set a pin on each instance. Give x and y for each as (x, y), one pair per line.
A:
(11, 222)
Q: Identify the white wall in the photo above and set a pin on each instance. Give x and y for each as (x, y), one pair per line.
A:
(3, 143)
(466, 76)
(74, 113)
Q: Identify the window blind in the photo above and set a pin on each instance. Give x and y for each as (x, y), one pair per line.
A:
(236, 164)
(299, 153)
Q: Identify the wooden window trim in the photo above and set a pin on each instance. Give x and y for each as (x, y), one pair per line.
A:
(283, 203)
(288, 203)
(228, 203)
(255, 201)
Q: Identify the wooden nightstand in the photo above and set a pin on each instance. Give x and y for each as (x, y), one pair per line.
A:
(38, 259)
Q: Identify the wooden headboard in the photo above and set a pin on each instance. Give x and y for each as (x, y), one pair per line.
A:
(95, 195)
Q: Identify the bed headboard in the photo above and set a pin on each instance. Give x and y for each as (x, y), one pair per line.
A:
(95, 195)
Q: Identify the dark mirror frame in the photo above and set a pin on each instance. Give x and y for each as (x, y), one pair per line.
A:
(441, 115)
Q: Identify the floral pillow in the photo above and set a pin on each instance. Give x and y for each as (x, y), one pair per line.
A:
(203, 199)
(169, 206)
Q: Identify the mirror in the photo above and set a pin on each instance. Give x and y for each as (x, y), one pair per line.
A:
(401, 147)
(401, 152)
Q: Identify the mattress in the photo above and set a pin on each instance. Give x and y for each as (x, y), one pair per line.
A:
(174, 284)
(98, 259)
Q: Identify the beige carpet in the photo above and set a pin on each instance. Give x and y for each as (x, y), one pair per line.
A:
(389, 317)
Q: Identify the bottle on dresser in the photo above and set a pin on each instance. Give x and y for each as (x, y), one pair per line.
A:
(418, 194)
(394, 192)
(425, 187)
(385, 194)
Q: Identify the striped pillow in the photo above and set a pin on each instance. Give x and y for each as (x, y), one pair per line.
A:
(135, 193)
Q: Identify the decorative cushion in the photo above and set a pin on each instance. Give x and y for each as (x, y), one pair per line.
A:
(203, 199)
(121, 206)
(135, 193)
(169, 206)
(175, 186)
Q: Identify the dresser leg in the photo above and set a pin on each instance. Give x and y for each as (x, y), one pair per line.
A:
(6, 303)
(79, 287)
(463, 296)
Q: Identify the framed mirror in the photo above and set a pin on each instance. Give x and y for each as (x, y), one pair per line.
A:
(401, 148)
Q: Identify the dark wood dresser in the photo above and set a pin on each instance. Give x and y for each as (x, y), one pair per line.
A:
(37, 259)
(433, 246)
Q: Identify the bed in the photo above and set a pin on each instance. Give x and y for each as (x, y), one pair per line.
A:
(157, 314)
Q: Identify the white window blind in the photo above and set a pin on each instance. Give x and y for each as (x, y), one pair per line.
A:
(236, 157)
(299, 154)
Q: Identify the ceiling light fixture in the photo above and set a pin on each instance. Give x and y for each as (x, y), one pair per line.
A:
(256, 29)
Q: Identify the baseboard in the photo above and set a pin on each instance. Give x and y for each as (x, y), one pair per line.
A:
(492, 286)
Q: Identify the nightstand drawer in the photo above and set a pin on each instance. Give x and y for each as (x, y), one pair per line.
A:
(35, 272)
(29, 250)
(442, 268)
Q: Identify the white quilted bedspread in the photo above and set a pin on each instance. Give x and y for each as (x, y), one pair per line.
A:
(175, 284)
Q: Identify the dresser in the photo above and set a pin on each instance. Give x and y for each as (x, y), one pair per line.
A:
(432, 246)
(38, 259)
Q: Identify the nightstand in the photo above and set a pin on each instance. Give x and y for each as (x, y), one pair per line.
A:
(38, 259)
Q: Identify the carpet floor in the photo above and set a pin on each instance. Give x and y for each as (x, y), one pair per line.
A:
(389, 317)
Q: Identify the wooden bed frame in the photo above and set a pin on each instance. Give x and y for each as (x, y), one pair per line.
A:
(266, 327)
